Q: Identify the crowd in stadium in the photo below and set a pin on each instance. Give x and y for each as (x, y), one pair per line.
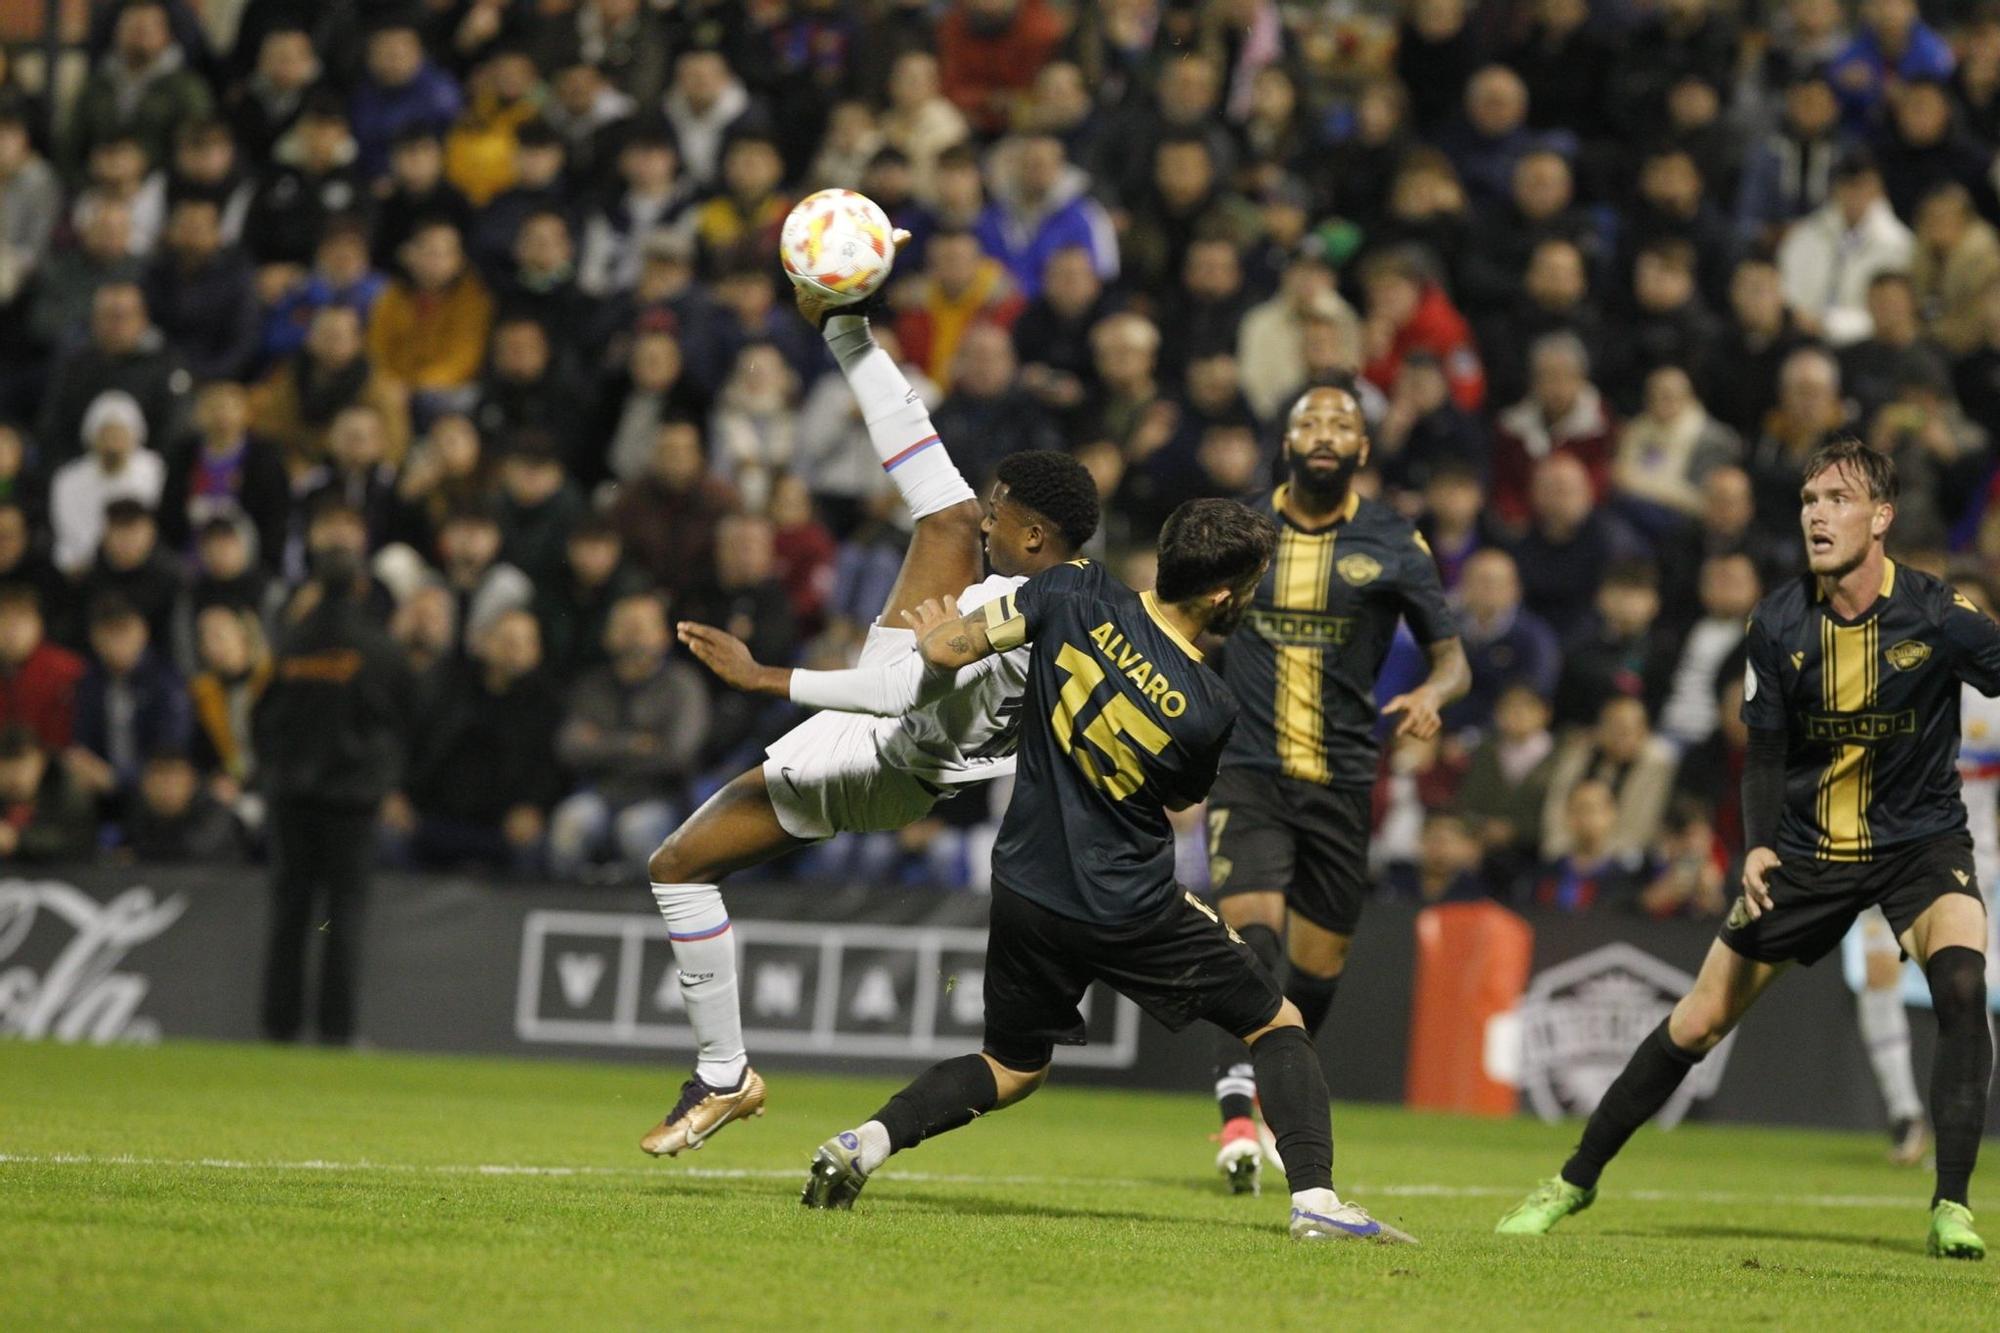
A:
(486, 292)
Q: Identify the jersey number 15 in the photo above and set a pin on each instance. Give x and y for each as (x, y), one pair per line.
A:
(1106, 733)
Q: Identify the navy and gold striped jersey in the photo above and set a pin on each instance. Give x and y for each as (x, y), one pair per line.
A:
(1305, 660)
(1120, 721)
(1870, 710)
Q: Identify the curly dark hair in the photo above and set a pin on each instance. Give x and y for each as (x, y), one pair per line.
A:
(1210, 544)
(1055, 486)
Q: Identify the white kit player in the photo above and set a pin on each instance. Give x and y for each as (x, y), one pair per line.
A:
(845, 771)
(1885, 1023)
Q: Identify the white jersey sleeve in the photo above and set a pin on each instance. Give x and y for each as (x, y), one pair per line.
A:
(967, 735)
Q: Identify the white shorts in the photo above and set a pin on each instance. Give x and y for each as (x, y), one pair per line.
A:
(827, 775)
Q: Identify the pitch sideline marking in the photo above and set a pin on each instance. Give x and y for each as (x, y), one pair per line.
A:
(919, 1177)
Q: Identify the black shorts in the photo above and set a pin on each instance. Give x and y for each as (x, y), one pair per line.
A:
(1178, 966)
(1815, 903)
(1268, 833)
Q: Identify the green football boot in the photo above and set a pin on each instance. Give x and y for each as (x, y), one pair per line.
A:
(1952, 1236)
(1553, 1200)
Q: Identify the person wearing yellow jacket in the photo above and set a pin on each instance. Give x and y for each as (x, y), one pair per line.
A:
(429, 329)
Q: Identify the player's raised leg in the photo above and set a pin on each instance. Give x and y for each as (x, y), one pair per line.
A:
(734, 828)
(1728, 985)
(1949, 940)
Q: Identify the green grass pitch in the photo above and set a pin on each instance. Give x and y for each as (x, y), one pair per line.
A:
(211, 1186)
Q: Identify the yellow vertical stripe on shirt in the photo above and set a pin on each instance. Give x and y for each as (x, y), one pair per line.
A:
(1849, 675)
(1304, 565)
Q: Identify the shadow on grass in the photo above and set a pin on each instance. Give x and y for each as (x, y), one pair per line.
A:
(1873, 1241)
(931, 1200)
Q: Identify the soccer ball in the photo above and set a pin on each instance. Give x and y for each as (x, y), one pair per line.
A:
(839, 245)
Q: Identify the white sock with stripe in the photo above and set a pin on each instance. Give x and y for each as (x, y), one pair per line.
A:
(705, 952)
(899, 426)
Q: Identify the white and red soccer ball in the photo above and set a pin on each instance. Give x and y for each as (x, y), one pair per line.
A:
(838, 244)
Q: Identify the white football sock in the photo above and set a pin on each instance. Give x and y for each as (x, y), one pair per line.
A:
(875, 1147)
(899, 426)
(1885, 1031)
(1323, 1202)
(705, 952)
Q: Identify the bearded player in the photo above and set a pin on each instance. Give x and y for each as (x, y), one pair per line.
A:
(1850, 802)
(838, 771)
(1289, 817)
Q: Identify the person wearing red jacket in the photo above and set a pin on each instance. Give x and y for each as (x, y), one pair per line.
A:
(990, 50)
(38, 680)
(1410, 311)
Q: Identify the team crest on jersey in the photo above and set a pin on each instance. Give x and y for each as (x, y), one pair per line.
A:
(1359, 569)
(1908, 655)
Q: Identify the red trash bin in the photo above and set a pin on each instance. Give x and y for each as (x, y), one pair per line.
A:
(1472, 965)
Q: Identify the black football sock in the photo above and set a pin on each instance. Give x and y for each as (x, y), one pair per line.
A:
(1296, 1106)
(948, 1095)
(1313, 996)
(1649, 1078)
(1235, 1080)
(1963, 1067)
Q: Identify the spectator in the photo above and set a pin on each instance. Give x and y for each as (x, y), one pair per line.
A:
(1975, 83)
(1569, 542)
(206, 164)
(1623, 650)
(804, 552)
(1712, 772)
(30, 206)
(706, 101)
(574, 607)
(1729, 591)
(586, 111)
(526, 388)
(851, 143)
(61, 302)
(889, 180)
(1829, 256)
(1740, 376)
(1424, 430)
(961, 287)
(654, 197)
(1270, 342)
(1810, 411)
(1788, 173)
(1691, 866)
(1680, 38)
(1555, 298)
(480, 148)
(1359, 173)
(424, 628)
(628, 42)
(1675, 204)
(539, 188)
(1454, 522)
(418, 192)
(1185, 198)
(483, 774)
(1563, 414)
(400, 89)
(1052, 336)
(1893, 48)
(1447, 868)
(1726, 526)
(1504, 643)
(989, 51)
(1923, 148)
(1870, 368)
(483, 586)
(430, 330)
(329, 734)
(1957, 262)
(143, 87)
(1940, 454)
(632, 734)
(44, 819)
(987, 415)
(117, 466)
(1436, 55)
(739, 222)
(130, 703)
(1592, 871)
(1491, 137)
(174, 820)
(202, 294)
(266, 106)
(121, 172)
(754, 426)
(1408, 311)
(539, 506)
(1666, 451)
(223, 574)
(540, 284)
(357, 473)
(340, 275)
(1506, 783)
(24, 563)
(1539, 208)
(313, 179)
(125, 354)
(1976, 376)
(1203, 317)
(746, 599)
(1669, 325)
(38, 679)
(1126, 348)
(1041, 205)
(1635, 766)
(296, 406)
(920, 123)
(131, 567)
(224, 471)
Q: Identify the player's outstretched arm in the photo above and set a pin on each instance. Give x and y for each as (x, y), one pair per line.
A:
(885, 691)
(948, 640)
(729, 658)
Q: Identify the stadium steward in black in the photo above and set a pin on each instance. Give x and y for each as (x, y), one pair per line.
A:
(1288, 820)
(1850, 801)
(1120, 724)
